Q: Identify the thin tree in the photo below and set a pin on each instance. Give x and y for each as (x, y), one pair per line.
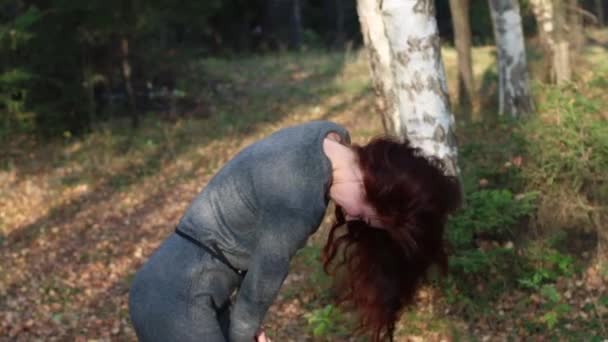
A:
(295, 25)
(419, 80)
(462, 40)
(552, 22)
(125, 39)
(339, 39)
(575, 25)
(514, 91)
(599, 11)
(378, 54)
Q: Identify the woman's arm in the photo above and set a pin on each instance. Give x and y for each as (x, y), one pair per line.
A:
(268, 268)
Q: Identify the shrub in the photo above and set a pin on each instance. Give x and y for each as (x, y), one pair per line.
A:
(567, 157)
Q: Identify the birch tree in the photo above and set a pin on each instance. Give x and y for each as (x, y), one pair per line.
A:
(513, 88)
(378, 53)
(550, 16)
(462, 40)
(419, 80)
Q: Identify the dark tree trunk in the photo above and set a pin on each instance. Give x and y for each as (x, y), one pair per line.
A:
(295, 25)
(599, 11)
(271, 26)
(575, 22)
(128, 13)
(335, 24)
(283, 23)
(240, 31)
(339, 40)
(562, 57)
(126, 74)
(602, 237)
(462, 39)
(89, 87)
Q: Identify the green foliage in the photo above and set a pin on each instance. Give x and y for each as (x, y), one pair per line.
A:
(53, 54)
(325, 322)
(493, 212)
(491, 158)
(317, 277)
(550, 293)
(566, 155)
(481, 23)
(555, 308)
(570, 143)
(604, 301)
(481, 235)
(546, 265)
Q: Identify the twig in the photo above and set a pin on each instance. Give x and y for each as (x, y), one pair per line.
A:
(584, 13)
(169, 142)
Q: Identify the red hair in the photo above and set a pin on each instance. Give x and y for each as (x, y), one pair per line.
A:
(381, 268)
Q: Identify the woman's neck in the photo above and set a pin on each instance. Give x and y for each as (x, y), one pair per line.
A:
(345, 167)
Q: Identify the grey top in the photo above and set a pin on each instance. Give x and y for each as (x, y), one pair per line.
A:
(260, 208)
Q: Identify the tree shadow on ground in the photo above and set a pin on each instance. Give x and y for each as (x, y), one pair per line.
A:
(78, 258)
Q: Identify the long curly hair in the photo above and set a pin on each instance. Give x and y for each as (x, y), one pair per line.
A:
(378, 270)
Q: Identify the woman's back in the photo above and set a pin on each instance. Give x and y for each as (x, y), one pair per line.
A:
(259, 209)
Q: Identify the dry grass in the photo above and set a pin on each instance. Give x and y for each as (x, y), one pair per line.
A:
(79, 215)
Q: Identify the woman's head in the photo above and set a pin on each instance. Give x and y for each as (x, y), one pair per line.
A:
(410, 199)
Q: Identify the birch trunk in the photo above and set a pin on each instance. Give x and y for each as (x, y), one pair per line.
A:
(419, 80)
(543, 13)
(514, 92)
(378, 51)
(551, 18)
(462, 40)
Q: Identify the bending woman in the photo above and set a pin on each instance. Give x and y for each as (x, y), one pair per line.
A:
(240, 233)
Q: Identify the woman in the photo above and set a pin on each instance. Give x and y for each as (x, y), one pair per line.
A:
(240, 233)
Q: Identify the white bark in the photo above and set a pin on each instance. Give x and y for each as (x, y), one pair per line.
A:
(419, 79)
(562, 72)
(514, 94)
(551, 21)
(544, 14)
(376, 43)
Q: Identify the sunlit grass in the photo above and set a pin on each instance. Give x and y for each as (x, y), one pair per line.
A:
(118, 192)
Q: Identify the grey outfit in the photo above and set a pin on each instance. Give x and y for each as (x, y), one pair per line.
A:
(259, 209)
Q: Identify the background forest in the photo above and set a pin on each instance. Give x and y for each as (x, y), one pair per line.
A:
(114, 114)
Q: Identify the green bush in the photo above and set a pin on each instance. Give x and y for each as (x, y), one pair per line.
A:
(546, 172)
(326, 321)
(567, 154)
(489, 212)
(481, 236)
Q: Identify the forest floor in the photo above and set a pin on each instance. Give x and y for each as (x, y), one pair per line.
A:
(79, 215)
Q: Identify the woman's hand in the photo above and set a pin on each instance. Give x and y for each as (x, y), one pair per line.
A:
(261, 337)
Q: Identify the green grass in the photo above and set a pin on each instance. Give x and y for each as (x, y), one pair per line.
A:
(129, 187)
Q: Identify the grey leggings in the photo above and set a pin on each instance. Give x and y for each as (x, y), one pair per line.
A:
(182, 294)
